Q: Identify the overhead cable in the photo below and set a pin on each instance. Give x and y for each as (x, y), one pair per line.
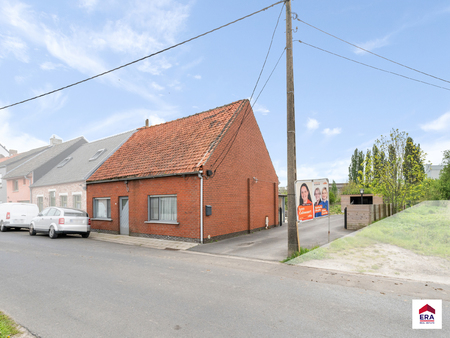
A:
(143, 58)
(364, 64)
(267, 55)
(368, 51)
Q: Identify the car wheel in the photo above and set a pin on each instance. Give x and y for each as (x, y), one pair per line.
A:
(3, 228)
(52, 233)
(85, 234)
(32, 232)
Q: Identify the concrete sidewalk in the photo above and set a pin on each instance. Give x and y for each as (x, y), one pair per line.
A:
(153, 243)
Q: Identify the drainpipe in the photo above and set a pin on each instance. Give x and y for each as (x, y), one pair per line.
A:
(200, 176)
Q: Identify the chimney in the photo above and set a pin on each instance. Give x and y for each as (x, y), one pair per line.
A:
(12, 152)
(146, 122)
(55, 141)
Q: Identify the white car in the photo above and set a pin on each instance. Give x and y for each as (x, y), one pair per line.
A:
(54, 221)
(17, 215)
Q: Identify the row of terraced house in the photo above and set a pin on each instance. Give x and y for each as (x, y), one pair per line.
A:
(199, 178)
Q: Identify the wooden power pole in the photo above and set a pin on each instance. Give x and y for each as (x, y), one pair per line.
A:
(293, 244)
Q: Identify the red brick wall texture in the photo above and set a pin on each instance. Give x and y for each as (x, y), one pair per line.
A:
(242, 191)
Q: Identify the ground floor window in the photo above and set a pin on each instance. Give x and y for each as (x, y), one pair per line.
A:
(102, 208)
(76, 199)
(162, 208)
(63, 201)
(52, 198)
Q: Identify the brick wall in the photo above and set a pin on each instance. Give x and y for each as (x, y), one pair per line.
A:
(188, 204)
(233, 189)
(69, 189)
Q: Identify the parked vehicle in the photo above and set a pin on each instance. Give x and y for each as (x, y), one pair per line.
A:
(17, 215)
(54, 221)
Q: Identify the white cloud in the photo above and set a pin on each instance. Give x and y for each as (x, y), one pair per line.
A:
(331, 132)
(16, 139)
(197, 77)
(373, 44)
(336, 170)
(118, 122)
(50, 103)
(312, 124)
(435, 149)
(50, 66)
(154, 67)
(15, 46)
(89, 5)
(261, 109)
(442, 123)
(156, 86)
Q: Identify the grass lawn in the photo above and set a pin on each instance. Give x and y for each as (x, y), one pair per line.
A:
(424, 229)
(7, 326)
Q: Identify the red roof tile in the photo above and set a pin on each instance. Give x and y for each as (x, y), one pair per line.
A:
(176, 147)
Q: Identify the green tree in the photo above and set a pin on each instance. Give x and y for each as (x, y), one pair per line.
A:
(368, 172)
(356, 167)
(389, 159)
(411, 159)
(444, 177)
(334, 188)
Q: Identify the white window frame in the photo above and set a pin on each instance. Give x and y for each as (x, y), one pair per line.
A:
(159, 219)
(95, 207)
(64, 162)
(16, 185)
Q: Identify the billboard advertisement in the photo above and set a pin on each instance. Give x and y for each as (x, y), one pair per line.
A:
(303, 198)
(320, 197)
(312, 199)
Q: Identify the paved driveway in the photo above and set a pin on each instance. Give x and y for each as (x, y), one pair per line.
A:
(272, 244)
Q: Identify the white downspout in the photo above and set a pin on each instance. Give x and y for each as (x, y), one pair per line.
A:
(29, 180)
(201, 205)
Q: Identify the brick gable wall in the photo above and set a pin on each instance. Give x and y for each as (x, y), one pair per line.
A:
(232, 191)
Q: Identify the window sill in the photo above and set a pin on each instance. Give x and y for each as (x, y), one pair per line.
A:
(102, 219)
(163, 222)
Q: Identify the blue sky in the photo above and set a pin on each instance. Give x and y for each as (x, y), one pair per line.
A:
(340, 105)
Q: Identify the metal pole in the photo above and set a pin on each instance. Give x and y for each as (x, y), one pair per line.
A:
(293, 243)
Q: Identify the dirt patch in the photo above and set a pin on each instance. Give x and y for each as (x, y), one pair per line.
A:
(387, 260)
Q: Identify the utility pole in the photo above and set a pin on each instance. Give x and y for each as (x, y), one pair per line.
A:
(293, 244)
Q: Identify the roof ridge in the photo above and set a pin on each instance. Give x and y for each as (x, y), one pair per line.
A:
(186, 117)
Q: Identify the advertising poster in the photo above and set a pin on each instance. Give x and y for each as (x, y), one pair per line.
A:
(320, 197)
(304, 201)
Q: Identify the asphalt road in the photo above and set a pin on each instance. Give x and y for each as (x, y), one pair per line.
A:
(74, 287)
(271, 244)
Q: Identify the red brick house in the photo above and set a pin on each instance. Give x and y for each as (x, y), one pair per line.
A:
(198, 178)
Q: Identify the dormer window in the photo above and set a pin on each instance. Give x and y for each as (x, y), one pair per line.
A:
(97, 154)
(64, 162)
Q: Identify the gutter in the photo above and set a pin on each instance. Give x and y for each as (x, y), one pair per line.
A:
(143, 178)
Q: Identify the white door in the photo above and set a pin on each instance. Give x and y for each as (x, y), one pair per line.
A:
(124, 225)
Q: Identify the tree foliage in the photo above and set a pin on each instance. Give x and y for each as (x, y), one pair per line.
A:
(398, 164)
(356, 167)
(444, 178)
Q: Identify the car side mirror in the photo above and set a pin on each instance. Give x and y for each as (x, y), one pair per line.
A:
(40, 214)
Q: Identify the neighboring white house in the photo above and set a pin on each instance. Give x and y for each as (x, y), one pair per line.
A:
(433, 171)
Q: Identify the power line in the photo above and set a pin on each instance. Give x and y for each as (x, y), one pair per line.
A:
(368, 51)
(364, 64)
(267, 55)
(143, 58)
(282, 53)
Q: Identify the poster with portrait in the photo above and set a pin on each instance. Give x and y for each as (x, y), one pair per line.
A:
(320, 197)
(303, 200)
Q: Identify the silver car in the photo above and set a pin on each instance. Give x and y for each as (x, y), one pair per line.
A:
(55, 221)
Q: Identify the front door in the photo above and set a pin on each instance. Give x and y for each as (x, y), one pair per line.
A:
(124, 226)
